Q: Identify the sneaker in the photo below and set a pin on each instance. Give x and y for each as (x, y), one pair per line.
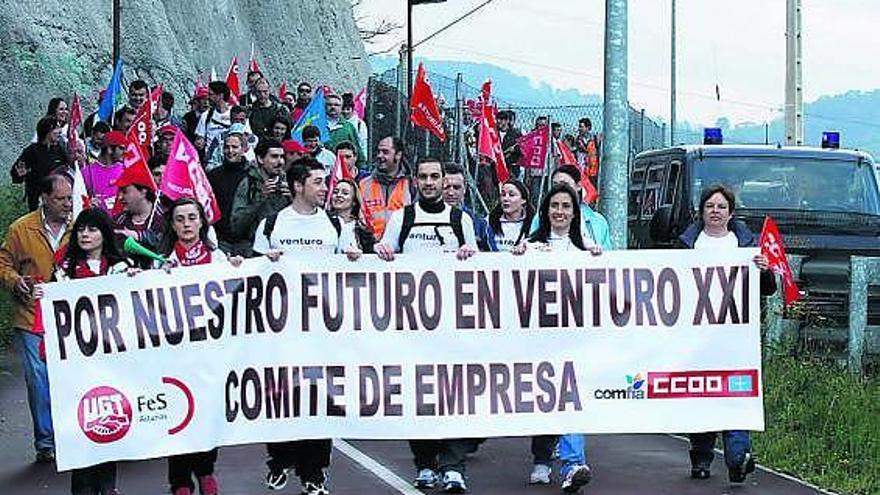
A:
(577, 478)
(540, 475)
(312, 488)
(45, 456)
(183, 491)
(208, 485)
(700, 471)
(738, 473)
(427, 478)
(276, 479)
(453, 482)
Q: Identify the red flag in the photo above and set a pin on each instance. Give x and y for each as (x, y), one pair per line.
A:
(360, 103)
(141, 131)
(773, 248)
(534, 148)
(423, 107)
(232, 79)
(156, 98)
(568, 158)
(489, 144)
(282, 91)
(199, 83)
(252, 63)
(338, 173)
(184, 177)
(74, 119)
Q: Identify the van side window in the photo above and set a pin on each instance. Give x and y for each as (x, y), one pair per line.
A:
(672, 182)
(652, 195)
(636, 184)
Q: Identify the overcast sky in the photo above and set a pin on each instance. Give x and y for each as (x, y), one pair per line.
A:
(740, 45)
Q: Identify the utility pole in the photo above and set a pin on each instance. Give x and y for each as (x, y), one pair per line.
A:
(672, 80)
(409, 50)
(613, 185)
(116, 11)
(794, 76)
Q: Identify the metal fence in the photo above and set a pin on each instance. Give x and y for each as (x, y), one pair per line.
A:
(388, 115)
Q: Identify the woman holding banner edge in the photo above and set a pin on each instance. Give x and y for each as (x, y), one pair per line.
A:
(716, 229)
(187, 243)
(559, 230)
(91, 253)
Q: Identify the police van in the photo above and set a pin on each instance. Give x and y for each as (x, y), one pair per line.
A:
(824, 201)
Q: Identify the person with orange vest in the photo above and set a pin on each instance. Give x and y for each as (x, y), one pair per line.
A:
(388, 188)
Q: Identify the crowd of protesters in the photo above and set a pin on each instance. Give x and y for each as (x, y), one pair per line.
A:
(273, 196)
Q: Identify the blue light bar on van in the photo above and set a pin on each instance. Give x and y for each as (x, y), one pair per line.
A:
(831, 140)
(712, 135)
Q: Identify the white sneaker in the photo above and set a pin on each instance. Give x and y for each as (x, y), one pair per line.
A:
(540, 475)
(453, 482)
(426, 478)
(576, 478)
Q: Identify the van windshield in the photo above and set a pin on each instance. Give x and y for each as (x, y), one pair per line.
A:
(787, 183)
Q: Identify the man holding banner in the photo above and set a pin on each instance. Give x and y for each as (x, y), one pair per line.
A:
(302, 226)
(417, 229)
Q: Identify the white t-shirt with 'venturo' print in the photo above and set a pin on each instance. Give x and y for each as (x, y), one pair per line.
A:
(294, 232)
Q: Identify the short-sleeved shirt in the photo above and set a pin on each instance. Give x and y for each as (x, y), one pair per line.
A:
(294, 232)
(431, 232)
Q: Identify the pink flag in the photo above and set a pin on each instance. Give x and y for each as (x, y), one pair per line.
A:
(74, 119)
(156, 98)
(185, 178)
(360, 103)
(534, 148)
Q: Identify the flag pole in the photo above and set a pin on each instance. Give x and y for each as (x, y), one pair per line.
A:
(547, 155)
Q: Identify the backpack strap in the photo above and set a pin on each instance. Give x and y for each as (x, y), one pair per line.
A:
(409, 218)
(455, 221)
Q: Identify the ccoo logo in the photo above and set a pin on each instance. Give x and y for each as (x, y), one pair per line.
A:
(104, 414)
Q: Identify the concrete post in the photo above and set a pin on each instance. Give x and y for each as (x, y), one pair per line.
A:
(613, 188)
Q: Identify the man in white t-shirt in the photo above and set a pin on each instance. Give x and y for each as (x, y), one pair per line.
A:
(213, 123)
(432, 226)
(301, 227)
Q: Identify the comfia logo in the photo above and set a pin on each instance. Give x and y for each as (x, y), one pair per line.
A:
(634, 389)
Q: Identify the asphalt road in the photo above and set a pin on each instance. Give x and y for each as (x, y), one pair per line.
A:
(622, 464)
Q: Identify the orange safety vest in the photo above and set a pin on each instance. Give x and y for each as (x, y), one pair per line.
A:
(378, 208)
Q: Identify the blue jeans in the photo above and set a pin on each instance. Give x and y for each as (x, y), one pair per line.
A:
(37, 380)
(736, 444)
(572, 451)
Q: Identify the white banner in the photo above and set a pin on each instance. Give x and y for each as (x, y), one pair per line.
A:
(311, 347)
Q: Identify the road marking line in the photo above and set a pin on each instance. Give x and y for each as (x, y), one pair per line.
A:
(773, 471)
(373, 466)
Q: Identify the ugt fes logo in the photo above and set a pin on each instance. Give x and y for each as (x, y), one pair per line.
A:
(105, 414)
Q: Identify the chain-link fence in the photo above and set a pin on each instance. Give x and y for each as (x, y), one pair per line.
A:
(388, 115)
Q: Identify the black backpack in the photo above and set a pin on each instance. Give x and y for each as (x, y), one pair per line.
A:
(409, 221)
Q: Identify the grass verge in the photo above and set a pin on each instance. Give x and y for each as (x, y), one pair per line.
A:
(823, 425)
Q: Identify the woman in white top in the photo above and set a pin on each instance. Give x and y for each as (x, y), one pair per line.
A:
(717, 229)
(510, 220)
(187, 243)
(559, 229)
(346, 205)
(559, 225)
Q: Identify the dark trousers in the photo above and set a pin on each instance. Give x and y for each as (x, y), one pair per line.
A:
(182, 468)
(425, 453)
(308, 457)
(94, 480)
(542, 449)
(736, 444)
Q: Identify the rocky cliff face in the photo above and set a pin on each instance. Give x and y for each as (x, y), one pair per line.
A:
(55, 47)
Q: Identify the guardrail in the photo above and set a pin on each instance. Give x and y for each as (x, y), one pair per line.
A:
(859, 338)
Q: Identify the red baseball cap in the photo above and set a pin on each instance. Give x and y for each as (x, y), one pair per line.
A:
(168, 129)
(291, 146)
(115, 138)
